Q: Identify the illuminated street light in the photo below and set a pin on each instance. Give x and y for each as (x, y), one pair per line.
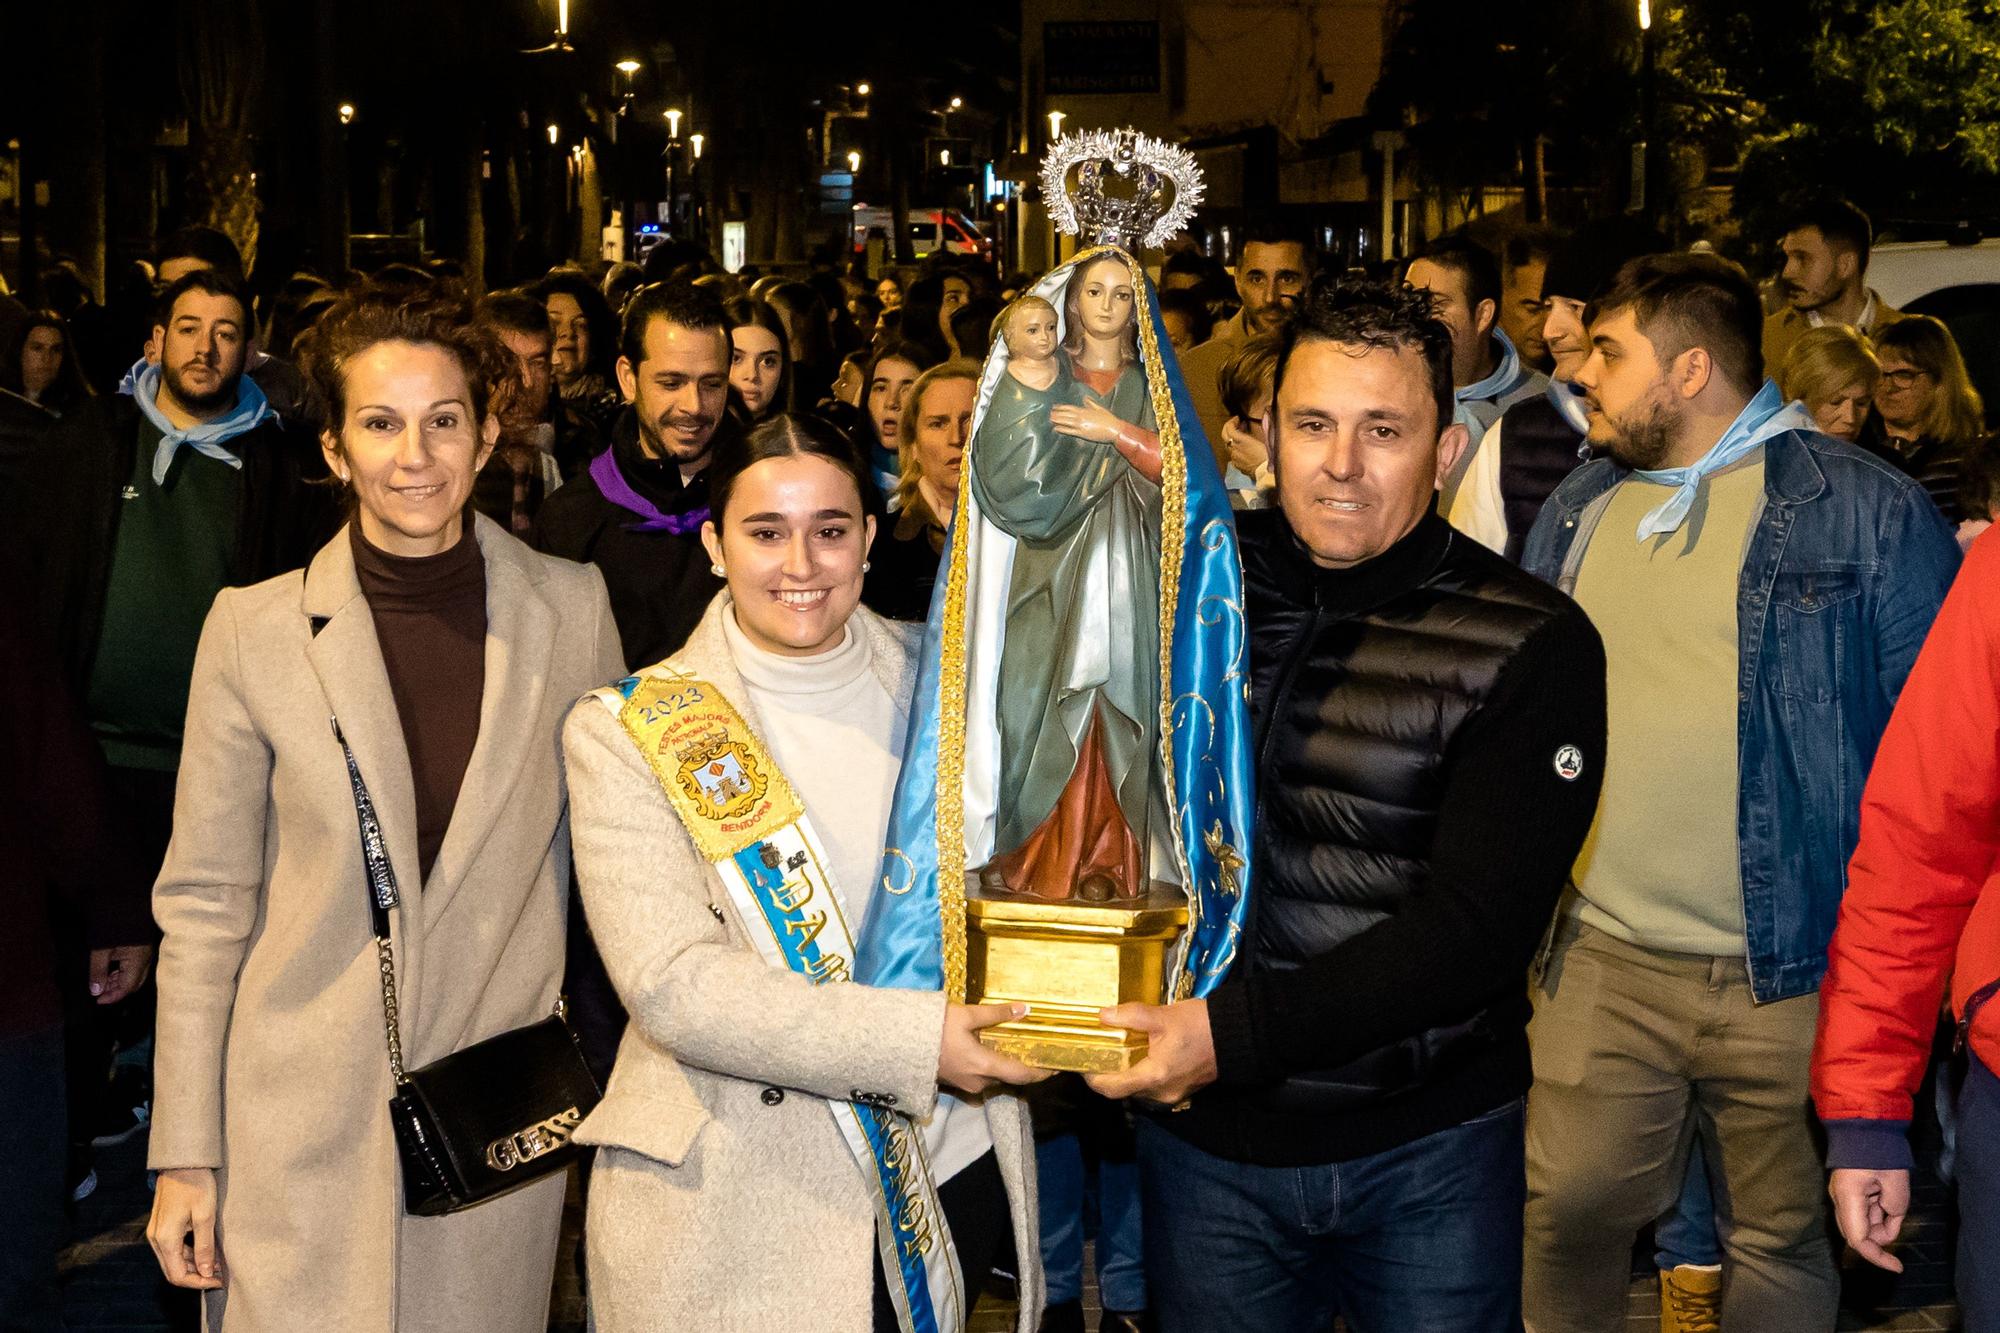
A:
(673, 124)
(555, 132)
(944, 157)
(346, 112)
(853, 162)
(562, 18)
(957, 102)
(696, 140)
(627, 67)
(1645, 15)
(1055, 124)
(864, 88)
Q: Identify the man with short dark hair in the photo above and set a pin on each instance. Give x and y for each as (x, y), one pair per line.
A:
(137, 510)
(636, 512)
(193, 249)
(1273, 265)
(1824, 280)
(1732, 559)
(1488, 376)
(542, 442)
(1346, 1131)
(1539, 441)
(1524, 260)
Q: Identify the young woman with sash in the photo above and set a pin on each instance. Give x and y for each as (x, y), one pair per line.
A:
(781, 1147)
(446, 654)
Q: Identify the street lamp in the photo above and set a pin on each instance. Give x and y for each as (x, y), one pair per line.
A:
(864, 88)
(853, 163)
(673, 124)
(957, 102)
(695, 140)
(1055, 124)
(944, 157)
(1645, 16)
(1650, 176)
(555, 132)
(627, 67)
(346, 113)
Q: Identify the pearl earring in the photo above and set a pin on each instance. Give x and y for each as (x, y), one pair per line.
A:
(717, 571)
(865, 566)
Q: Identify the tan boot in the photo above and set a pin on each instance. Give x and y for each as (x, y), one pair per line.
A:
(1691, 1299)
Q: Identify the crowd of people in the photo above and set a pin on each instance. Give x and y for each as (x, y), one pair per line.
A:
(1627, 785)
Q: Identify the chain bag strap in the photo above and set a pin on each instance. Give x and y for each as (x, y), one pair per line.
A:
(485, 1120)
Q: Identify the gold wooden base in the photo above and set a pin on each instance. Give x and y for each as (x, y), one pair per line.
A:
(1066, 960)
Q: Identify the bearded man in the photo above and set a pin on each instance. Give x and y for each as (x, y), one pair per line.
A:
(1761, 590)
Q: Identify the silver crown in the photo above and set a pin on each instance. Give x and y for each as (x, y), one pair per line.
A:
(1130, 189)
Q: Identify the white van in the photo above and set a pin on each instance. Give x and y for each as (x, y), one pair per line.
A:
(931, 230)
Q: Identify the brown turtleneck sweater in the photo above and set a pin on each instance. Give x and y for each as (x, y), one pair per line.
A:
(430, 616)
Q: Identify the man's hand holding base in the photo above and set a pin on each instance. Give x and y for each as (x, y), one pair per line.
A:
(1180, 1052)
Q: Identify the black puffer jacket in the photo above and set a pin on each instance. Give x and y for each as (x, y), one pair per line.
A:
(1430, 732)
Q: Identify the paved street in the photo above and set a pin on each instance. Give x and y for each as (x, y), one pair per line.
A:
(112, 1285)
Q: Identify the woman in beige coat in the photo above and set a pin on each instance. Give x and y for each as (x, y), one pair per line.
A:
(724, 1196)
(449, 653)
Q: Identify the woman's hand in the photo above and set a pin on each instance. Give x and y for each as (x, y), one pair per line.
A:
(182, 1229)
(1089, 422)
(1245, 443)
(965, 1064)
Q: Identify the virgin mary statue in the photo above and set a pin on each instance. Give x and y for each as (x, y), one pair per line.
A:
(1072, 473)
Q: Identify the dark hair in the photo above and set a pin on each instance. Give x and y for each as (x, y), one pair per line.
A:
(1275, 231)
(917, 354)
(972, 326)
(514, 311)
(923, 299)
(1957, 416)
(371, 315)
(1473, 263)
(1693, 300)
(748, 312)
(210, 282)
(681, 303)
(1187, 303)
(211, 247)
(1528, 245)
(1586, 262)
(597, 316)
(1844, 226)
(1364, 313)
(812, 334)
(787, 435)
(68, 389)
(620, 281)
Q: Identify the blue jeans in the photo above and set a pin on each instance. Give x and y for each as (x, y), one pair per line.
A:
(1066, 1197)
(1979, 1199)
(1687, 1234)
(1425, 1236)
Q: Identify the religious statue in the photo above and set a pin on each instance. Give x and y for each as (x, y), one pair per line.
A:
(1073, 812)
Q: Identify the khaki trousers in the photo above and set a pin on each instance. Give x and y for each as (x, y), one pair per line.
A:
(1635, 1052)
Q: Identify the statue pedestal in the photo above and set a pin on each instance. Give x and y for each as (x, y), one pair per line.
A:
(1066, 960)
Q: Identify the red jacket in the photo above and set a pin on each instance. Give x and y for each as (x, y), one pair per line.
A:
(1921, 905)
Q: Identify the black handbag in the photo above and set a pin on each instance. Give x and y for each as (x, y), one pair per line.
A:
(485, 1120)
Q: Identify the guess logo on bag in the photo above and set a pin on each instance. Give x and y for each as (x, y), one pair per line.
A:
(525, 1145)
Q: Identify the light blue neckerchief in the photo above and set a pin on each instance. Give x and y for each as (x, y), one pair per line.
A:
(207, 438)
(1506, 377)
(1568, 401)
(1765, 416)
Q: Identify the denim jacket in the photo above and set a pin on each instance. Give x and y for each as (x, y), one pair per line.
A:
(1848, 561)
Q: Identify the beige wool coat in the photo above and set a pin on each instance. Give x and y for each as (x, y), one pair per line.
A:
(272, 1063)
(724, 1197)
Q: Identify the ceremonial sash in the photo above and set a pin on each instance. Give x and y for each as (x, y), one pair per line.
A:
(748, 822)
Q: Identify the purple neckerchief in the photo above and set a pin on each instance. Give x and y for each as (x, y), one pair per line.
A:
(604, 471)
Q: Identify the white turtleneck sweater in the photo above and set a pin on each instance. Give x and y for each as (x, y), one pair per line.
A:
(837, 736)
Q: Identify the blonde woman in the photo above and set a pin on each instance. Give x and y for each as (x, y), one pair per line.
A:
(936, 422)
(1833, 371)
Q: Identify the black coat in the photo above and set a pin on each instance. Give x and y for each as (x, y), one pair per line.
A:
(1429, 732)
(659, 582)
(65, 516)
